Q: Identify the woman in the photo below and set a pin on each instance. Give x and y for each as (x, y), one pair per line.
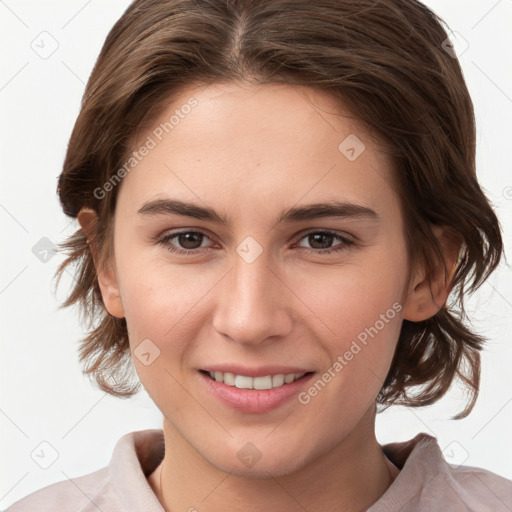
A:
(277, 200)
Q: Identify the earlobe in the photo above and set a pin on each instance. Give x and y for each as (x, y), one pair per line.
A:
(109, 287)
(427, 296)
(107, 279)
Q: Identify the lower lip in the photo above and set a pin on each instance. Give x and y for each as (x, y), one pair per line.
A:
(252, 400)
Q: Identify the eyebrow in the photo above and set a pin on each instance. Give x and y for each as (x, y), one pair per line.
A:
(295, 214)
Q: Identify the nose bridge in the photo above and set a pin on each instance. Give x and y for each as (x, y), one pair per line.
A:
(252, 304)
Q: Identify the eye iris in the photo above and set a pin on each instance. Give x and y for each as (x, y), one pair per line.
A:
(323, 238)
(189, 240)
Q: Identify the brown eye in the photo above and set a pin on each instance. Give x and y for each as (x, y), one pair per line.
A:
(321, 242)
(190, 240)
(184, 242)
(324, 240)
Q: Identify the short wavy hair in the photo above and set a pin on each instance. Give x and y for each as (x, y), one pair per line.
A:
(388, 61)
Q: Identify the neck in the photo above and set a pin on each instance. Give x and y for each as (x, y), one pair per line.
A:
(349, 477)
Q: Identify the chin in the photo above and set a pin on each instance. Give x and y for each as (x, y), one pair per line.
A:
(262, 469)
(273, 460)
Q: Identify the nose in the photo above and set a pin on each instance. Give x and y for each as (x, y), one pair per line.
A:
(254, 304)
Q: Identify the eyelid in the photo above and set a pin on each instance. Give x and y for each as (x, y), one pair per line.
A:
(167, 235)
(342, 234)
(346, 240)
(297, 236)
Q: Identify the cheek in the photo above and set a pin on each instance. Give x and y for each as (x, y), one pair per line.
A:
(162, 305)
(156, 294)
(351, 298)
(359, 314)
(360, 356)
(166, 304)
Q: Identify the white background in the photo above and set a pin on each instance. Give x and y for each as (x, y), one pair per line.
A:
(44, 396)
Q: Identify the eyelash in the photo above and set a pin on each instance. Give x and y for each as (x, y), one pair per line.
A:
(346, 242)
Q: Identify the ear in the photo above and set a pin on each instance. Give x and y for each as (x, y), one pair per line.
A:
(107, 278)
(425, 298)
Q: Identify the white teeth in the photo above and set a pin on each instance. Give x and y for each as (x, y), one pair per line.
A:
(277, 380)
(245, 382)
(262, 382)
(289, 378)
(229, 379)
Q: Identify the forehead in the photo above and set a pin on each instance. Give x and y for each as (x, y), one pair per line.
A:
(255, 146)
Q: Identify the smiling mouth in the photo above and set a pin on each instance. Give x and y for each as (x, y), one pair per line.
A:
(258, 383)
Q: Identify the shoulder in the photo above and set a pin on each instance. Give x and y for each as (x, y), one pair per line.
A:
(428, 482)
(83, 493)
(477, 486)
(120, 486)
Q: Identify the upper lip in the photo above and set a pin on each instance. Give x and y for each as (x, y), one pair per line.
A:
(260, 371)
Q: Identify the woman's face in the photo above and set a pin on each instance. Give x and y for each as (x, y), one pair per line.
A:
(258, 237)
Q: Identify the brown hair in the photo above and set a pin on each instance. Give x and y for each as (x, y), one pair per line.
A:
(386, 60)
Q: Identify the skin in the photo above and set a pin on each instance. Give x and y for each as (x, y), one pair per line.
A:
(249, 152)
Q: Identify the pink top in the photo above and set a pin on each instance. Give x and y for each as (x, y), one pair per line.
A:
(426, 482)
